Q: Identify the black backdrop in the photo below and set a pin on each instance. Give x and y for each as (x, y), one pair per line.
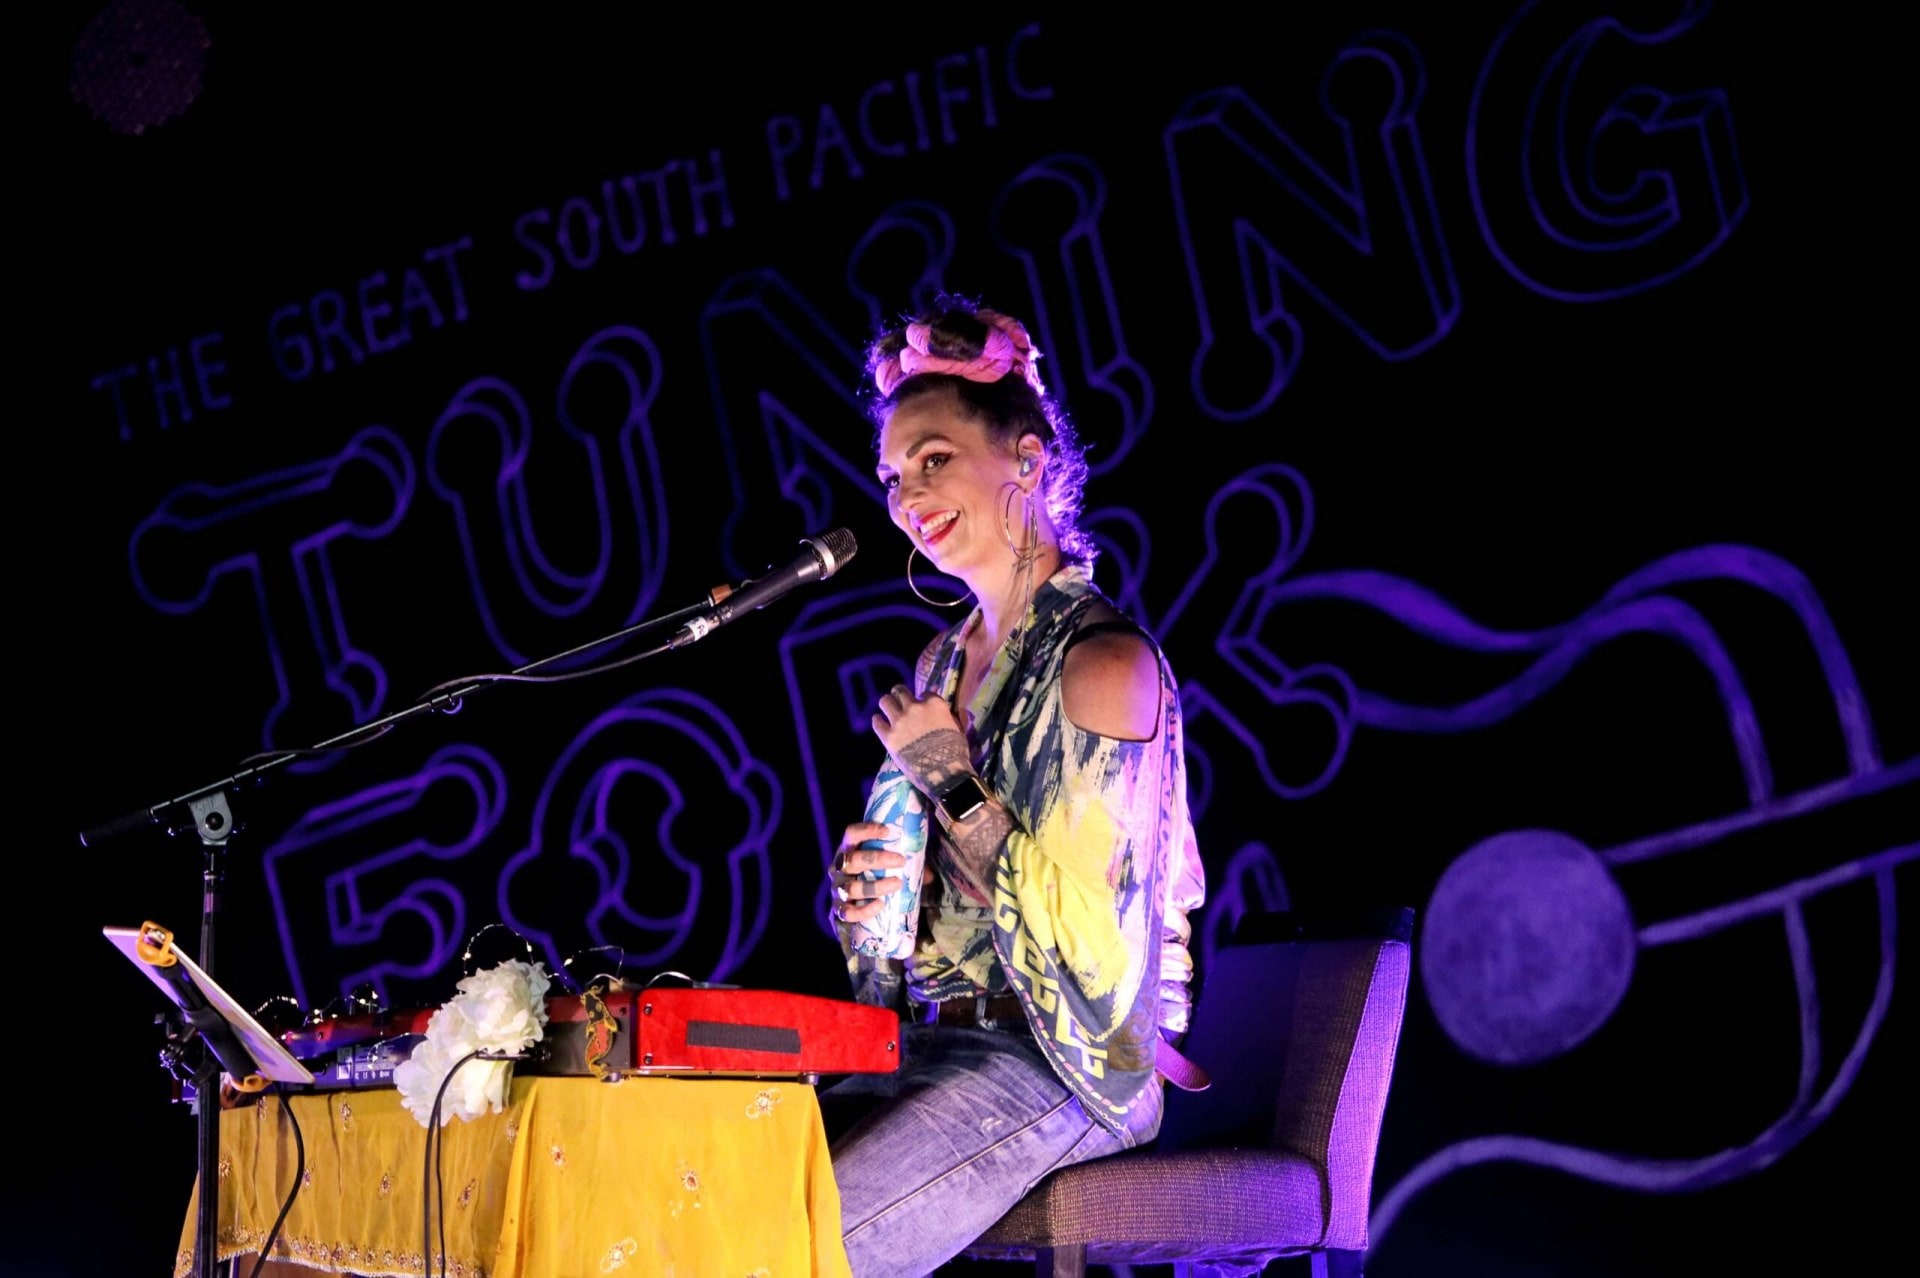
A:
(1515, 459)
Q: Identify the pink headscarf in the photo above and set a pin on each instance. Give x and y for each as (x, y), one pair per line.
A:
(1007, 350)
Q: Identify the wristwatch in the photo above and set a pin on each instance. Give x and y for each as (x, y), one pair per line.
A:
(959, 799)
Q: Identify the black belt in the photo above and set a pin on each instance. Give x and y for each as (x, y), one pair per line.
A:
(1002, 1011)
(997, 1011)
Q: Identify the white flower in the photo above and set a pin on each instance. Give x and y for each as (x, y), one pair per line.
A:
(502, 1009)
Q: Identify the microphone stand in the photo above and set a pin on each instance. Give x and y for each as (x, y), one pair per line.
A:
(213, 820)
(446, 699)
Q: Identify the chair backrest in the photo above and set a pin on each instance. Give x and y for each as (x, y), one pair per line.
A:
(1298, 1021)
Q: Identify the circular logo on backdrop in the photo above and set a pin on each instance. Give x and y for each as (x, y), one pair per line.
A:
(138, 64)
(1528, 947)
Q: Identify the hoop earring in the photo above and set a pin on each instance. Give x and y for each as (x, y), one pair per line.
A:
(924, 598)
(1023, 561)
(1023, 557)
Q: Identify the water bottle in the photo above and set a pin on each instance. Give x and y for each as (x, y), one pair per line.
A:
(890, 933)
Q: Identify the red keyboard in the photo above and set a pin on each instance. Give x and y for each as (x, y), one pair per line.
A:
(672, 1030)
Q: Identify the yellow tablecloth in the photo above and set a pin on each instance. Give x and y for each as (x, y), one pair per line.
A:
(688, 1178)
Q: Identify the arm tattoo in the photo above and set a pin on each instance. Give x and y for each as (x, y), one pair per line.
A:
(923, 668)
(936, 758)
(975, 845)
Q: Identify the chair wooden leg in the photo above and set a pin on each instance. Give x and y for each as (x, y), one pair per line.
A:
(1335, 1263)
(1061, 1262)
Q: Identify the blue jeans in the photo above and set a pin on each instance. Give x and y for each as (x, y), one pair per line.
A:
(971, 1121)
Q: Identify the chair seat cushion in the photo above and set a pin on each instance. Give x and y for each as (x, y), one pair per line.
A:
(1152, 1206)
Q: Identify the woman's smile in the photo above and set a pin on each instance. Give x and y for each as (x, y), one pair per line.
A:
(933, 528)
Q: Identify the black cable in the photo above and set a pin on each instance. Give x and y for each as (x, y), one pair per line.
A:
(440, 1193)
(430, 1171)
(299, 1173)
(373, 732)
(477, 681)
(430, 1165)
(451, 689)
(450, 692)
(444, 698)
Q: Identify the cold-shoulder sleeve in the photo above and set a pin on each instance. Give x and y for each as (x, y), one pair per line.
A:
(1082, 892)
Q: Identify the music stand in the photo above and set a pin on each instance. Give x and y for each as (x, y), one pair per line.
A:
(250, 1055)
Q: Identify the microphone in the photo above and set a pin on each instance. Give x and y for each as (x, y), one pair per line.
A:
(825, 555)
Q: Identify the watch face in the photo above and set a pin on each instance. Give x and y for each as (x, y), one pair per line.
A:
(962, 798)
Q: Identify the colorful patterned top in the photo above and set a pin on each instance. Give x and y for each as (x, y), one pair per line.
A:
(1091, 892)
